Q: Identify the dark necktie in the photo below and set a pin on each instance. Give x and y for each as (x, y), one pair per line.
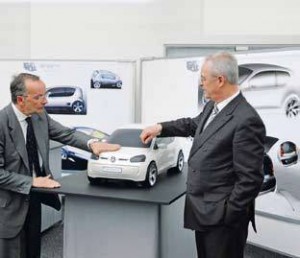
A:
(31, 147)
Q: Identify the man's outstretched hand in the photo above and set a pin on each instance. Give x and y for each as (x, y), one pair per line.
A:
(150, 132)
(99, 147)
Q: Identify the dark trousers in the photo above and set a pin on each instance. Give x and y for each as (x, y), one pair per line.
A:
(27, 244)
(222, 241)
(32, 228)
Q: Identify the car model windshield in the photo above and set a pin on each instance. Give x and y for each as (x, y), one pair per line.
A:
(91, 131)
(128, 138)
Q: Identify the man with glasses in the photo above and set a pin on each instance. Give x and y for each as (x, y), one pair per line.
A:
(225, 162)
(25, 131)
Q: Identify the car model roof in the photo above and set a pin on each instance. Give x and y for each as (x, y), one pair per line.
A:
(133, 126)
(63, 86)
(263, 66)
(103, 71)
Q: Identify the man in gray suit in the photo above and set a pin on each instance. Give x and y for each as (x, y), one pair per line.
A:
(22, 123)
(225, 162)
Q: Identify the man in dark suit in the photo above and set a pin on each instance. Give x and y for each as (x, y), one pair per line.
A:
(25, 131)
(225, 162)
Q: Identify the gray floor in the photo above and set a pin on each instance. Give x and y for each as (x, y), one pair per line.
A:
(52, 242)
(52, 245)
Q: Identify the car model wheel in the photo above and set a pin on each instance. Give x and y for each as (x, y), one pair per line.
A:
(97, 85)
(180, 162)
(119, 84)
(292, 106)
(151, 176)
(96, 181)
(179, 165)
(78, 107)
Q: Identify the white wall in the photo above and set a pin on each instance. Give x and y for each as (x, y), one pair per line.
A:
(14, 30)
(111, 30)
(103, 29)
(235, 17)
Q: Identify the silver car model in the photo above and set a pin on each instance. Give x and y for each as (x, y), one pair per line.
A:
(73, 158)
(65, 99)
(270, 86)
(105, 79)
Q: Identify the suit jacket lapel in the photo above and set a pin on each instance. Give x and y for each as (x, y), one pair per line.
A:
(16, 135)
(219, 121)
(206, 112)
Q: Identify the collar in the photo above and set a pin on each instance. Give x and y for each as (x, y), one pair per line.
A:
(20, 116)
(225, 102)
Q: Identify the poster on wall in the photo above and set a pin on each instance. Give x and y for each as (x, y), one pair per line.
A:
(94, 97)
(270, 81)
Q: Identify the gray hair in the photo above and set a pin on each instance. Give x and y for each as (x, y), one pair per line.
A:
(17, 86)
(224, 63)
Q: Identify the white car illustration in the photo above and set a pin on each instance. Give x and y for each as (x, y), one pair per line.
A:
(267, 86)
(105, 79)
(281, 197)
(270, 86)
(65, 99)
(136, 161)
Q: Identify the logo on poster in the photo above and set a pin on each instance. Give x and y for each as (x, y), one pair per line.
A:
(29, 66)
(192, 66)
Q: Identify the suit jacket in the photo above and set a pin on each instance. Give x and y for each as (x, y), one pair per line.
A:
(15, 176)
(225, 164)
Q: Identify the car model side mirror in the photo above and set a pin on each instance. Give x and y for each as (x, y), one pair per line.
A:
(288, 153)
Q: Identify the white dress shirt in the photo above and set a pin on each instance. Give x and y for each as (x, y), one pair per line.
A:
(21, 118)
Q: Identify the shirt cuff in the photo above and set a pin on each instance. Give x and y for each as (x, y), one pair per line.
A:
(90, 141)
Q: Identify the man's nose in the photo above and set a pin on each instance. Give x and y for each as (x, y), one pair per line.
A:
(45, 101)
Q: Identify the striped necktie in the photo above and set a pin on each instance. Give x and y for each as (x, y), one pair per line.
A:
(213, 114)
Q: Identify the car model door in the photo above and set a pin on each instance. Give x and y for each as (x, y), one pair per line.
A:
(265, 89)
(108, 79)
(163, 153)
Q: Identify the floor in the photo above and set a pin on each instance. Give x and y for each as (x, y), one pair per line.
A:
(52, 245)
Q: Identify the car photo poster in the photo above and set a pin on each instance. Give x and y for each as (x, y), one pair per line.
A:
(270, 81)
(94, 94)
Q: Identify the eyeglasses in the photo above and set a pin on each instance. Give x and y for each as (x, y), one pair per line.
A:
(36, 96)
(204, 79)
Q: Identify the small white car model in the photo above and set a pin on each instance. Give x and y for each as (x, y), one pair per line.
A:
(136, 161)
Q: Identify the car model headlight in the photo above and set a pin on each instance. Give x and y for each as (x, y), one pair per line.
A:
(63, 153)
(138, 158)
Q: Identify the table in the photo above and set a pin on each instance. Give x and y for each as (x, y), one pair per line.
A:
(124, 220)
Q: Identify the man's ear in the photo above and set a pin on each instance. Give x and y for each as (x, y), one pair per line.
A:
(20, 100)
(221, 79)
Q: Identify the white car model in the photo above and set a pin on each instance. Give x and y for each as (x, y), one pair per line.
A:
(136, 161)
